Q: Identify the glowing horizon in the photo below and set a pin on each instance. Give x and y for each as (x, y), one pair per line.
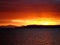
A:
(46, 18)
(41, 21)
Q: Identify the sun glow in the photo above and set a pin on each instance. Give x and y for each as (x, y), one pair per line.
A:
(47, 23)
(41, 21)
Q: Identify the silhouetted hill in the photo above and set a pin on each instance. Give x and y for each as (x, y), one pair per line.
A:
(32, 26)
(40, 26)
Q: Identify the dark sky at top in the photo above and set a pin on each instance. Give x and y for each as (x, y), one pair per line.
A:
(23, 5)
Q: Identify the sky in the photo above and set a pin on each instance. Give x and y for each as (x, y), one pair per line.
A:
(27, 12)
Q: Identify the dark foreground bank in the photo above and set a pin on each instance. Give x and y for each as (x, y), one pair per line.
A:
(30, 35)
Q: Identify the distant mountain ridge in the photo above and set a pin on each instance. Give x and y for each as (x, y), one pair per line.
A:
(8, 26)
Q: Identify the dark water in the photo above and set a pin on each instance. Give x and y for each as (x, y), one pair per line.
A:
(30, 36)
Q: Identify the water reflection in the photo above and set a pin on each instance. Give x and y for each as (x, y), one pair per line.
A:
(30, 36)
(39, 37)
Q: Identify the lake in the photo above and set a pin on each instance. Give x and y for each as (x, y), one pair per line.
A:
(30, 36)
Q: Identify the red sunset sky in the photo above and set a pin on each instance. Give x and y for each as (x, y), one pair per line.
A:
(27, 12)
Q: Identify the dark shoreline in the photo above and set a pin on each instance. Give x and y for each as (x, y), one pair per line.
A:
(32, 26)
